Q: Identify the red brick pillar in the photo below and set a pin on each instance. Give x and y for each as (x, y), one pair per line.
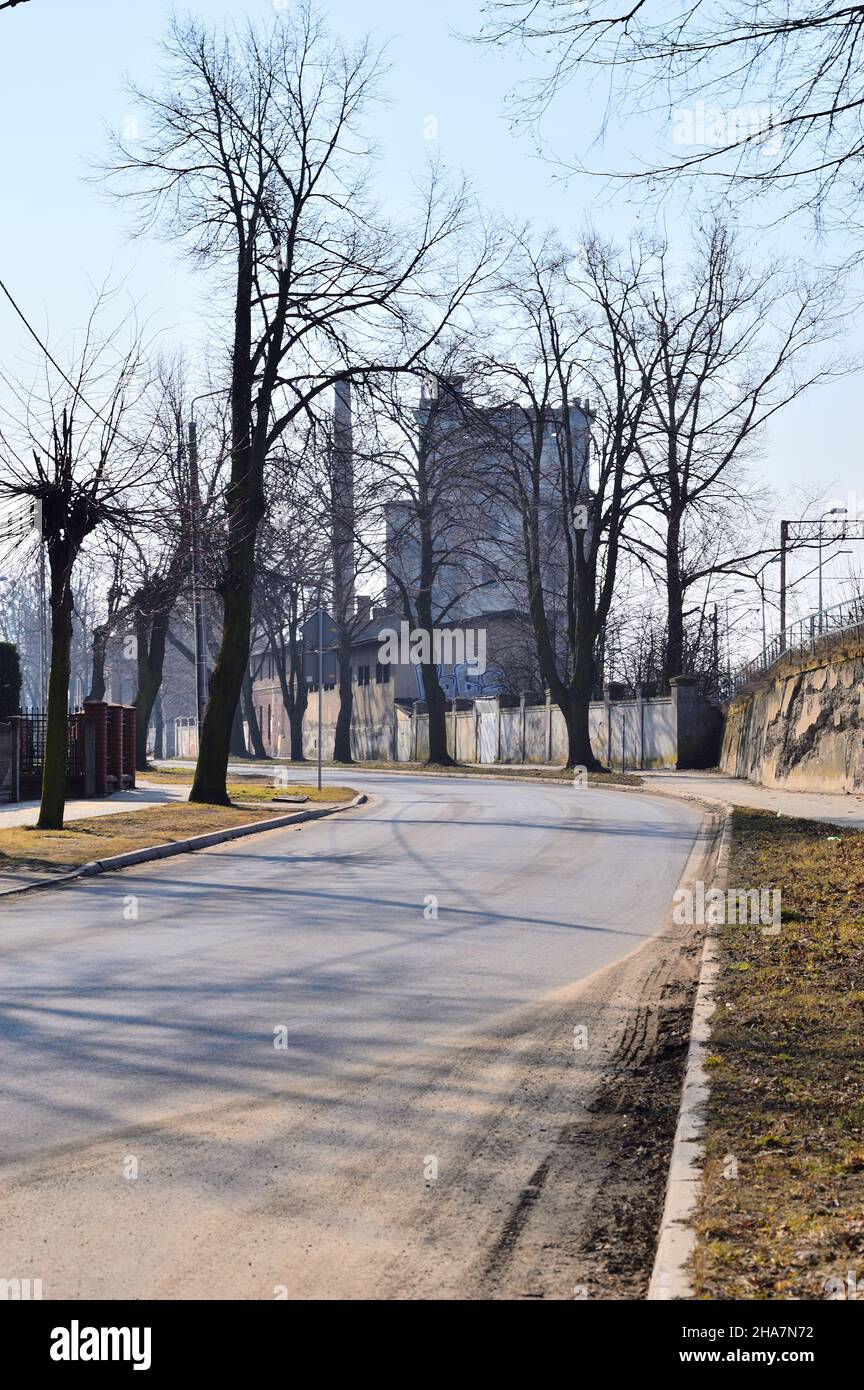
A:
(96, 712)
(115, 746)
(129, 745)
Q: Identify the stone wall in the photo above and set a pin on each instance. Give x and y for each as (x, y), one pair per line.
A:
(802, 726)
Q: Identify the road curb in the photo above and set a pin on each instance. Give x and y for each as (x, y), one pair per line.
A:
(489, 777)
(175, 847)
(672, 1277)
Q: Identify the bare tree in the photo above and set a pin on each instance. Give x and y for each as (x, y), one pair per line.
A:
(347, 481)
(723, 349)
(775, 88)
(70, 451)
(290, 571)
(113, 605)
(569, 333)
(258, 162)
(429, 512)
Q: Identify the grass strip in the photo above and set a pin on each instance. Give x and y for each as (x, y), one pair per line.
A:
(782, 1215)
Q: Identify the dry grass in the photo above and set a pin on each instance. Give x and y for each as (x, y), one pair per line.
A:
(26, 849)
(250, 789)
(787, 1069)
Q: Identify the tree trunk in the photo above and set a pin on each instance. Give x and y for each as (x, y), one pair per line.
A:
(342, 741)
(295, 692)
(237, 747)
(575, 705)
(150, 638)
(226, 684)
(295, 723)
(257, 742)
(579, 750)
(674, 663)
(53, 802)
(159, 727)
(436, 704)
(97, 669)
(245, 498)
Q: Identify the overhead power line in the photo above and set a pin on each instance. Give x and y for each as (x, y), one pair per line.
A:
(54, 363)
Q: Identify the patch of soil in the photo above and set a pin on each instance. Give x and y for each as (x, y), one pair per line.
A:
(640, 1109)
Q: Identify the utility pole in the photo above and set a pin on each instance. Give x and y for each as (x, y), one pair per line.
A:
(784, 541)
(728, 640)
(43, 645)
(197, 585)
(835, 511)
(320, 678)
(760, 584)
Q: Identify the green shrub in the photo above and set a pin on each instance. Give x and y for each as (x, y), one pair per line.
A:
(10, 680)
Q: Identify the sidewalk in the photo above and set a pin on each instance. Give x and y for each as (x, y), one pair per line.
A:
(27, 813)
(835, 808)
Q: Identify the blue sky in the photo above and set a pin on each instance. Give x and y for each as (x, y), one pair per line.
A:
(61, 72)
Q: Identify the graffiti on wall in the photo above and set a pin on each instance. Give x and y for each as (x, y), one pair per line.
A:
(464, 682)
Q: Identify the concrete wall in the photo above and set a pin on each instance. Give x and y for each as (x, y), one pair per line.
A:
(666, 731)
(629, 733)
(802, 727)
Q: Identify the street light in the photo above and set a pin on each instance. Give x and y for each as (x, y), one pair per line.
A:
(728, 648)
(835, 511)
(807, 531)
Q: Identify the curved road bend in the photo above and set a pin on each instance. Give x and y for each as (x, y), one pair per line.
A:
(409, 958)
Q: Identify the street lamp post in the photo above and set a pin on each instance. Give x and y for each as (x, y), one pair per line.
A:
(43, 645)
(784, 541)
(728, 646)
(320, 678)
(835, 511)
(806, 530)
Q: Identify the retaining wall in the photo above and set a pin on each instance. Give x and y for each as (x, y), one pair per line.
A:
(801, 726)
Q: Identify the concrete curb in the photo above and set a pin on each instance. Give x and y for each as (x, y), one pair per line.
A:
(195, 842)
(493, 777)
(671, 1277)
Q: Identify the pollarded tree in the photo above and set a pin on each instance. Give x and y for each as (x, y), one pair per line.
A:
(72, 453)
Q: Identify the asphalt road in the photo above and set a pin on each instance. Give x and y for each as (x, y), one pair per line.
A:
(139, 1013)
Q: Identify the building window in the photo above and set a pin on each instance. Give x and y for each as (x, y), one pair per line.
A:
(382, 674)
(363, 674)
